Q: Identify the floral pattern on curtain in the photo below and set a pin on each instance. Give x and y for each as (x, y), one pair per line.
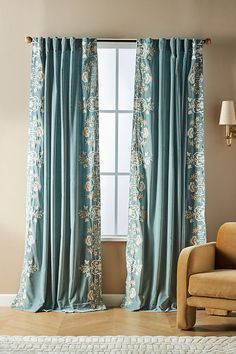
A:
(62, 261)
(167, 182)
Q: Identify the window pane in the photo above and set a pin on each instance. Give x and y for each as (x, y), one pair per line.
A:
(123, 201)
(124, 141)
(126, 78)
(106, 78)
(107, 142)
(107, 205)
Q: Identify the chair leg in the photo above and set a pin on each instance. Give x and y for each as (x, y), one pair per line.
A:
(186, 316)
(217, 312)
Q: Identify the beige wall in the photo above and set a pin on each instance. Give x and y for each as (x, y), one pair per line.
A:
(121, 19)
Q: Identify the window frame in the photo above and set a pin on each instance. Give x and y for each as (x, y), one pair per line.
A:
(116, 112)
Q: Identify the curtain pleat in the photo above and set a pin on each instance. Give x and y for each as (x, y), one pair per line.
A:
(167, 192)
(62, 263)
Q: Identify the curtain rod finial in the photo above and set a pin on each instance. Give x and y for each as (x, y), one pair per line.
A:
(28, 39)
(207, 41)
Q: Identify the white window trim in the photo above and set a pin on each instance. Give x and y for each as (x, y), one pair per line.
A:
(116, 111)
(114, 238)
(117, 45)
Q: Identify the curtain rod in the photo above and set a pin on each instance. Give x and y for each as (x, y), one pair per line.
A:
(29, 39)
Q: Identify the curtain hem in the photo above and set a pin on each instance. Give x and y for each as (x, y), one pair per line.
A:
(66, 309)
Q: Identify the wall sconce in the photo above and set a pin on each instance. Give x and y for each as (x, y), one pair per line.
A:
(228, 118)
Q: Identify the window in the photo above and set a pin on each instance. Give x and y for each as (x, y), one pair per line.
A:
(116, 65)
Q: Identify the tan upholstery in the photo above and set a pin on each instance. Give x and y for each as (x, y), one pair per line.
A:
(200, 282)
(209, 302)
(226, 246)
(219, 283)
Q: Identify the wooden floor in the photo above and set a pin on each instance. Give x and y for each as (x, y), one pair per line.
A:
(110, 322)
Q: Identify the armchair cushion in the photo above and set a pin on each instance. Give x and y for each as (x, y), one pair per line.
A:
(220, 283)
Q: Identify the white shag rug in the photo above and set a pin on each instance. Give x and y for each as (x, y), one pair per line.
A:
(118, 344)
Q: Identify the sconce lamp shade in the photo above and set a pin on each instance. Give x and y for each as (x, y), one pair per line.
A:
(227, 114)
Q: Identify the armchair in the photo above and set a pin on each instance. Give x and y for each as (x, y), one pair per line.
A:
(206, 277)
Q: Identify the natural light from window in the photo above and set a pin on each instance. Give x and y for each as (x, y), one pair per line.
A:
(116, 65)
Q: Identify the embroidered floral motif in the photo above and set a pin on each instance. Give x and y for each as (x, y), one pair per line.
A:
(196, 186)
(30, 240)
(35, 131)
(35, 159)
(90, 104)
(195, 214)
(145, 51)
(87, 158)
(91, 267)
(195, 105)
(143, 105)
(89, 211)
(89, 54)
(35, 104)
(28, 269)
(92, 186)
(195, 211)
(199, 234)
(195, 159)
(35, 213)
(141, 159)
(34, 170)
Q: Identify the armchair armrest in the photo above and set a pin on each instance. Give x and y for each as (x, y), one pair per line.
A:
(197, 259)
(192, 260)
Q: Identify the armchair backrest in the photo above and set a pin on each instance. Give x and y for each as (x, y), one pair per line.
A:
(226, 246)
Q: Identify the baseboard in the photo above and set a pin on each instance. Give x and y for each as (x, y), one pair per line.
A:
(111, 300)
(6, 299)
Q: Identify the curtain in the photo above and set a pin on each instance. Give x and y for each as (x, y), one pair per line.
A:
(62, 262)
(167, 194)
